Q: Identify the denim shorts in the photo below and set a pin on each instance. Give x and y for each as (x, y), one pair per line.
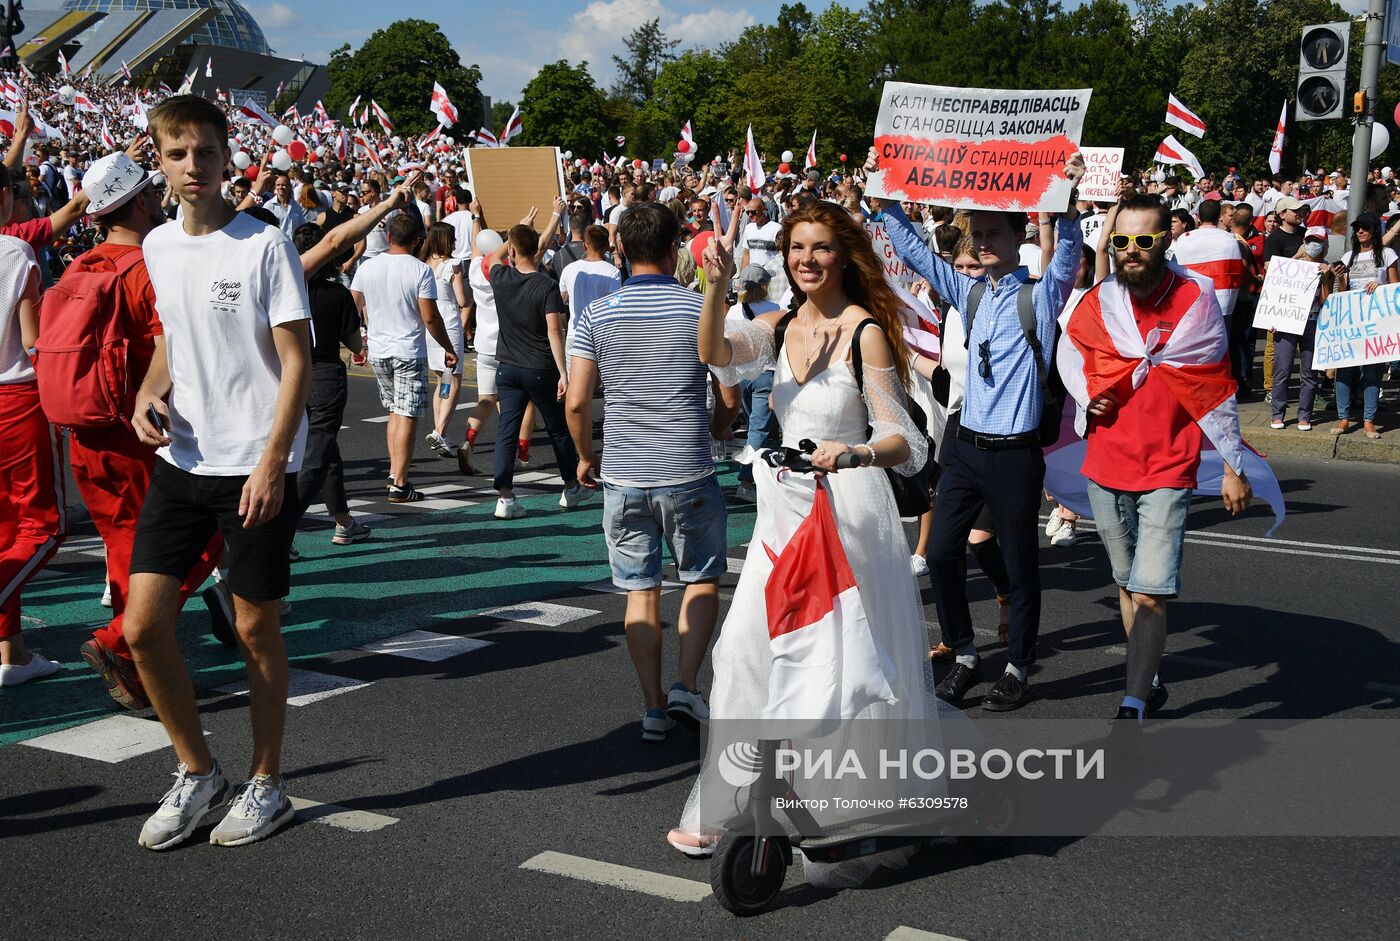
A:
(689, 517)
(1144, 534)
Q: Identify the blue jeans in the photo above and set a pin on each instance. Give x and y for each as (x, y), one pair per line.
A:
(515, 386)
(1370, 379)
(690, 518)
(762, 426)
(1144, 534)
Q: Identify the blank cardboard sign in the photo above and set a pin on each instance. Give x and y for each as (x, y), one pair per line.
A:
(509, 180)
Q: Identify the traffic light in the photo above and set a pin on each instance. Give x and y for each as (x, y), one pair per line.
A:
(1322, 71)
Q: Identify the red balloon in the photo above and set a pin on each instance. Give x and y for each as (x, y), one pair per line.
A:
(685, 147)
(843, 158)
(1397, 114)
(252, 172)
(638, 163)
(296, 150)
(784, 168)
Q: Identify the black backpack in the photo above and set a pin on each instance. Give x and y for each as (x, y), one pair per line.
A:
(1052, 387)
(913, 495)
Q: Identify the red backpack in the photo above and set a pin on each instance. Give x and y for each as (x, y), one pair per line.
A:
(80, 360)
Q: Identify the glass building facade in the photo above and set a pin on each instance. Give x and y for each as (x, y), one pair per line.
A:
(232, 26)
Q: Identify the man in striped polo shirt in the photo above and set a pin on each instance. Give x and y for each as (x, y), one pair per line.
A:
(658, 474)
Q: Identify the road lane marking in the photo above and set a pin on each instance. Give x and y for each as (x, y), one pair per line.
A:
(1253, 543)
(304, 687)
(621, 877)
(540, 612)
(110, 740)
(427, 646)
(903, 933)
(342, 818)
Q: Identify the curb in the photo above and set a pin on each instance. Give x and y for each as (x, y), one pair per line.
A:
(1320, 443)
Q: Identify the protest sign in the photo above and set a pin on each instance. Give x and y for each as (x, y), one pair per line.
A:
(1102, 174)
(895, 269)
(977, 148)
(1287, 297)
(1354, 328)
(510, 180)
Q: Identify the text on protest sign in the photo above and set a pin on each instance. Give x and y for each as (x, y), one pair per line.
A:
(1286, 300)
(1103, 172)
(895, 269)
(1354, 328)
(977, 148)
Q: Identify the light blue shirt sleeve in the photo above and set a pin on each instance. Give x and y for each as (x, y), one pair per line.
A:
(914, 252)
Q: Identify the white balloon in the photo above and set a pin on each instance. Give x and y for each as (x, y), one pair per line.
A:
(398, 141)
(283, 134)
(320, 151)
(1380, 139)
(66, 94)
(242, 161)
(568, 155)
(787, 156)
(448, 141)
(234, 145)
(282, 160)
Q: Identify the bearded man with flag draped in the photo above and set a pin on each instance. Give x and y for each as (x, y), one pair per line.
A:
(1155, 382)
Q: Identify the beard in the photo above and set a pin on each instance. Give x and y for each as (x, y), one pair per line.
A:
(1147, 277)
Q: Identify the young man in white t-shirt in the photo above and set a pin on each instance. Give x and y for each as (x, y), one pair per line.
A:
(760, 236)
(591, 277)
(397, 297)
(234, 365)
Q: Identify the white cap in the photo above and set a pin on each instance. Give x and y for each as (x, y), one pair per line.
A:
(111, 181)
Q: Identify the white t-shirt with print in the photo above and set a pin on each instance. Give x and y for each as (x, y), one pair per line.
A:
(377, 241)
(1365, 271)
(761, 241)
(392, 285)
(585, 281)
(16, 264)
(218, 297)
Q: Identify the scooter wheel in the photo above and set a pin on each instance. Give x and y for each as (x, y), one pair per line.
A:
(732, 878)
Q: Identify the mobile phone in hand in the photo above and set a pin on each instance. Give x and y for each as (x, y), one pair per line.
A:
(155, 418)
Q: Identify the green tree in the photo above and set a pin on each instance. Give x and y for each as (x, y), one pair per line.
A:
(563, 107)
(699, 86)
(500, 114)
(396, 67)
(648, 50)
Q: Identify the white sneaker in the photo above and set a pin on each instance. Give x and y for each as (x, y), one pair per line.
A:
(746, 492)
(260, 810)
(687, 707)
(187, 802)
(655, 725)
(575, 495)
(107, 595)
(440, 445)
(1065, 535)
(509, 509)
(918, 565)
(36, 669)
(1052, 525)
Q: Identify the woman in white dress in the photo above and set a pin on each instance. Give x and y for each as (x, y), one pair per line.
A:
(838, 283)
(451, 298)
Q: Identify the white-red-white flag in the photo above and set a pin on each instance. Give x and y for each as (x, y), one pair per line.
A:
(1276, 151)
(431, 136)
(513, 127)
(1171, 151)
(138, 114)
(342, 146)
(753, 167)
(63, 64)
(209, 67)
(354, 106)
(291, 114)
(250, 113)
(687, 134)
(484, 138)
(1178, 115)
(83, 104)
(383, 118)
(108, 140)
(362, 145)
(811, 153)
(827, 665)
(126, 72)
(442, 107)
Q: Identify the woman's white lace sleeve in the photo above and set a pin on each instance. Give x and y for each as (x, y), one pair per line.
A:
(889, 416)
(751, 343)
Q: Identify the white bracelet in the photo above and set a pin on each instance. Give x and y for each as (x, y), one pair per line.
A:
(873, 455)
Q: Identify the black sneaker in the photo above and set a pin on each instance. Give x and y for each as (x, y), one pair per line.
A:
(220, 601)
(405, 494)
(1156, 698)
(958, 681)
(1125, 730)
(1010, 692)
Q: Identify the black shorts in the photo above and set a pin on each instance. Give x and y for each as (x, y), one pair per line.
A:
(183, 510)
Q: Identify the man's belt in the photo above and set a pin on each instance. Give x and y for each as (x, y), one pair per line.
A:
(1026, 439)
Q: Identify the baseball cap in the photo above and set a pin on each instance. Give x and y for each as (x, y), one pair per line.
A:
(1288, 202)
(756, 275)
(111, 181)
(1369, 220)
(1316, 232)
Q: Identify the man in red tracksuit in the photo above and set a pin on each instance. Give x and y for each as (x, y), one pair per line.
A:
(32, 522)
(111, 467)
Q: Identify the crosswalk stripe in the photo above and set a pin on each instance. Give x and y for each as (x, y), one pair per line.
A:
(304, 687)
(110, 740)
(621, 877)
(427, 646)
(903, 933)
(342, 818)
(546, 613)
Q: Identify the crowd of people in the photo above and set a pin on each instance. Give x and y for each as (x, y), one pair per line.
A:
(694, 304)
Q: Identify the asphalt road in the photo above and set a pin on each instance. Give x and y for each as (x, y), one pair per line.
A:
(485, 794)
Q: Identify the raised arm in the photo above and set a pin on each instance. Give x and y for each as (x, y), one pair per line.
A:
(355, 229)
(71, 212)
(23, 125)
(547, 237)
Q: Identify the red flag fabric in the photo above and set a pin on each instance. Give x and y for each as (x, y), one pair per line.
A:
(1178, 115)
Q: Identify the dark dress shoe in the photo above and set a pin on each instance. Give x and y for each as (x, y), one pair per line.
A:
(958, 681)
(1008, 693)
(1156, 699)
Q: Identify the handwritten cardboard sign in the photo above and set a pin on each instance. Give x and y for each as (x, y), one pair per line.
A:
(1103, 174)
(1286, 300)
(1354, 328)
(977, 148)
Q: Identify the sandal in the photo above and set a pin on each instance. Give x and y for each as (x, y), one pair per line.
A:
(1004, 624)
(1340, 428)
(1371, 431)
(694, 845)
(941, 652)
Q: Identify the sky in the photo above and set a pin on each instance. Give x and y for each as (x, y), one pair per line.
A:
(511, 41)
